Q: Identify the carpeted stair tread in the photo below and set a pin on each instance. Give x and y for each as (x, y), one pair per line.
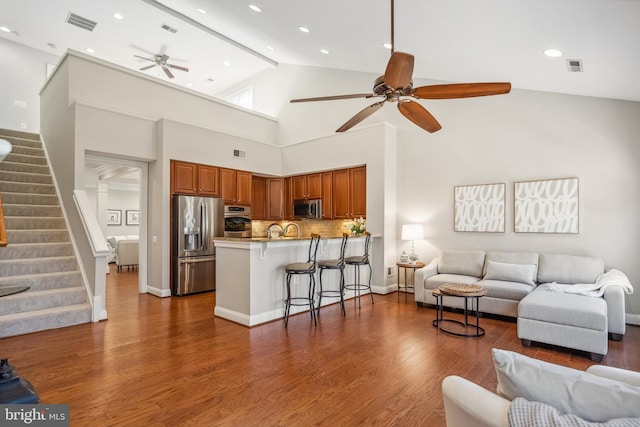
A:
(32, 210)
(24, 167)
(12, 176)
(37, 236)
(18, 134)
(40, 300)
(33, 222)
(28, 151)
(16, 267)
(40, 320)
(22, 158)
(44, 281)
(36, 250)
(29, 199)
(26, 187)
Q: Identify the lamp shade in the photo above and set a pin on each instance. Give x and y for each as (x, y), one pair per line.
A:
(412, 232)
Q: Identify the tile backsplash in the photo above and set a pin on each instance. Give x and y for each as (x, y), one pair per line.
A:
(328, 228)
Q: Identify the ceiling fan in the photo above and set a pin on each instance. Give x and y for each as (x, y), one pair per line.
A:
(160, 60)
(396, 85)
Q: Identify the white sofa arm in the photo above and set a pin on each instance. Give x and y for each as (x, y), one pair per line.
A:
(617, 374)
(467, 404)
(419, 277)
(614, 296)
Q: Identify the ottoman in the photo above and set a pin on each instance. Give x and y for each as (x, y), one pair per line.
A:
(562, 319)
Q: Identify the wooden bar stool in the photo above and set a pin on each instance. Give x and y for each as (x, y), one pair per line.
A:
(309, 268)
(334, 264)
(357, 262)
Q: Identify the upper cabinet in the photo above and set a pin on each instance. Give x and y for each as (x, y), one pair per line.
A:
(275, 198)
(192, 178)
(235, 186)
(258, 198)
(349, 193)
(306, 186)
(327, 192)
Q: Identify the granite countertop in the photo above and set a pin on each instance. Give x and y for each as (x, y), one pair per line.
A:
(282, 239)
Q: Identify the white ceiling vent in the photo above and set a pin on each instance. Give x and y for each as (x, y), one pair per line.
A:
(574, 65)
(79, 21)
(168, 28)
(239, 154)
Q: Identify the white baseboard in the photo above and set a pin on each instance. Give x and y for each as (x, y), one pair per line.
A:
(383, 290)
(632, 319)
(163, 293)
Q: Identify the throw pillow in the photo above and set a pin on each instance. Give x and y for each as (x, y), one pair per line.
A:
(522, 273)
(523, 413)
(568, 390)
(467, 263)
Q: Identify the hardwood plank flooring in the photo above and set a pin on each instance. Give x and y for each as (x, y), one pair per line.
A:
(170, 362)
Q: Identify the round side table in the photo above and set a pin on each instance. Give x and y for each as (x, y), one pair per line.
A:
(466, 329)
(408, 266)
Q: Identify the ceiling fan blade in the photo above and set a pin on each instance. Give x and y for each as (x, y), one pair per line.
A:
(177, 67)
(331, 98)
(148, 66)
(399, 70)
(361, 116)
(461, 90)
(419, 115)
(167, 72)
(146, 59)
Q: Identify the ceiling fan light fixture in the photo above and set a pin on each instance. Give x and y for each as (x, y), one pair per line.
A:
(304, 29)
(255, 8)
(552, 53)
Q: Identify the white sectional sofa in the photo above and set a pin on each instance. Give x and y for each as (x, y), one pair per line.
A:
(125, 254)
(550, 314)
(533, 392)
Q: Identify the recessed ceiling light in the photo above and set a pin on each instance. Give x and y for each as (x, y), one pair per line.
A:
(118, 16)
(227, 63)
(386, 45)
(255, 8)
(325, 51)
(204, 12)
(5, 29)
(304, 29)
(269, 47)
(90, 50)
(189, 84)
(552, 53)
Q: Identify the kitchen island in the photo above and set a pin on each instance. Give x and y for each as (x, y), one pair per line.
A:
(250, 277)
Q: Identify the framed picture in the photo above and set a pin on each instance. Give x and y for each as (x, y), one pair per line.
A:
(114, 217)
(549, 206)
(133, 217)
(479, 208)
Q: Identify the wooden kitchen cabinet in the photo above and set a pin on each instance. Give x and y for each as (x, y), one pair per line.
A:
(349, 193)
(288, 199)
(327, 191)
(275, 199)
(235, 186)
(306, 186)
(193, 178)
(258, 198)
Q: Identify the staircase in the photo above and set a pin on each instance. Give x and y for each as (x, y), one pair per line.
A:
(39, 253)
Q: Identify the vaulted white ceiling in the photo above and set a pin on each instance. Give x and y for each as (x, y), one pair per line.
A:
(452, 40)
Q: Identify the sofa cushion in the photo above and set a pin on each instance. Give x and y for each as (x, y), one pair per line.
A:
(569, 269)
(564, 309)
(466, 263)
(522, 273)
(513, 258)
(568, 390)
(506, 290)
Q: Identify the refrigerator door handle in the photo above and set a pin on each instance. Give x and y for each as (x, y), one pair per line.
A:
(204, 221)
(197, 260)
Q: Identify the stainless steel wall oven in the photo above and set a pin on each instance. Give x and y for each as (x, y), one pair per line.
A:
(237, 221)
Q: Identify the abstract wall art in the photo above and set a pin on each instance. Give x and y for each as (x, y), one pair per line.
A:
(548, 206)
(479, 208)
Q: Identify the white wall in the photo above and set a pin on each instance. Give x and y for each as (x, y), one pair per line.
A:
(22, 74)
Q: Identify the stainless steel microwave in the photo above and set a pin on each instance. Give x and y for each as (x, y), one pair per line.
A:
(311, 208)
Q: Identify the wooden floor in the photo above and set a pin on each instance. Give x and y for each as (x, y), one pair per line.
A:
(169, 362)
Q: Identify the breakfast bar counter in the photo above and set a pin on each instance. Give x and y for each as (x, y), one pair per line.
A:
(250, 277)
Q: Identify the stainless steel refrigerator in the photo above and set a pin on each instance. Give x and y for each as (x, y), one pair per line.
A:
(196, 221)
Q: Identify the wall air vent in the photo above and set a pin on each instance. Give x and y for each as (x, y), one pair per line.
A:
(574, 65)
(168, 28)
(239, 154)
(79, 21)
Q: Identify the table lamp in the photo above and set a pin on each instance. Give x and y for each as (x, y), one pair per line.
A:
(412, 232)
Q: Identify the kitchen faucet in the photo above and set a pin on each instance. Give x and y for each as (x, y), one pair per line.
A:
(287, 229)
(270, 231)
